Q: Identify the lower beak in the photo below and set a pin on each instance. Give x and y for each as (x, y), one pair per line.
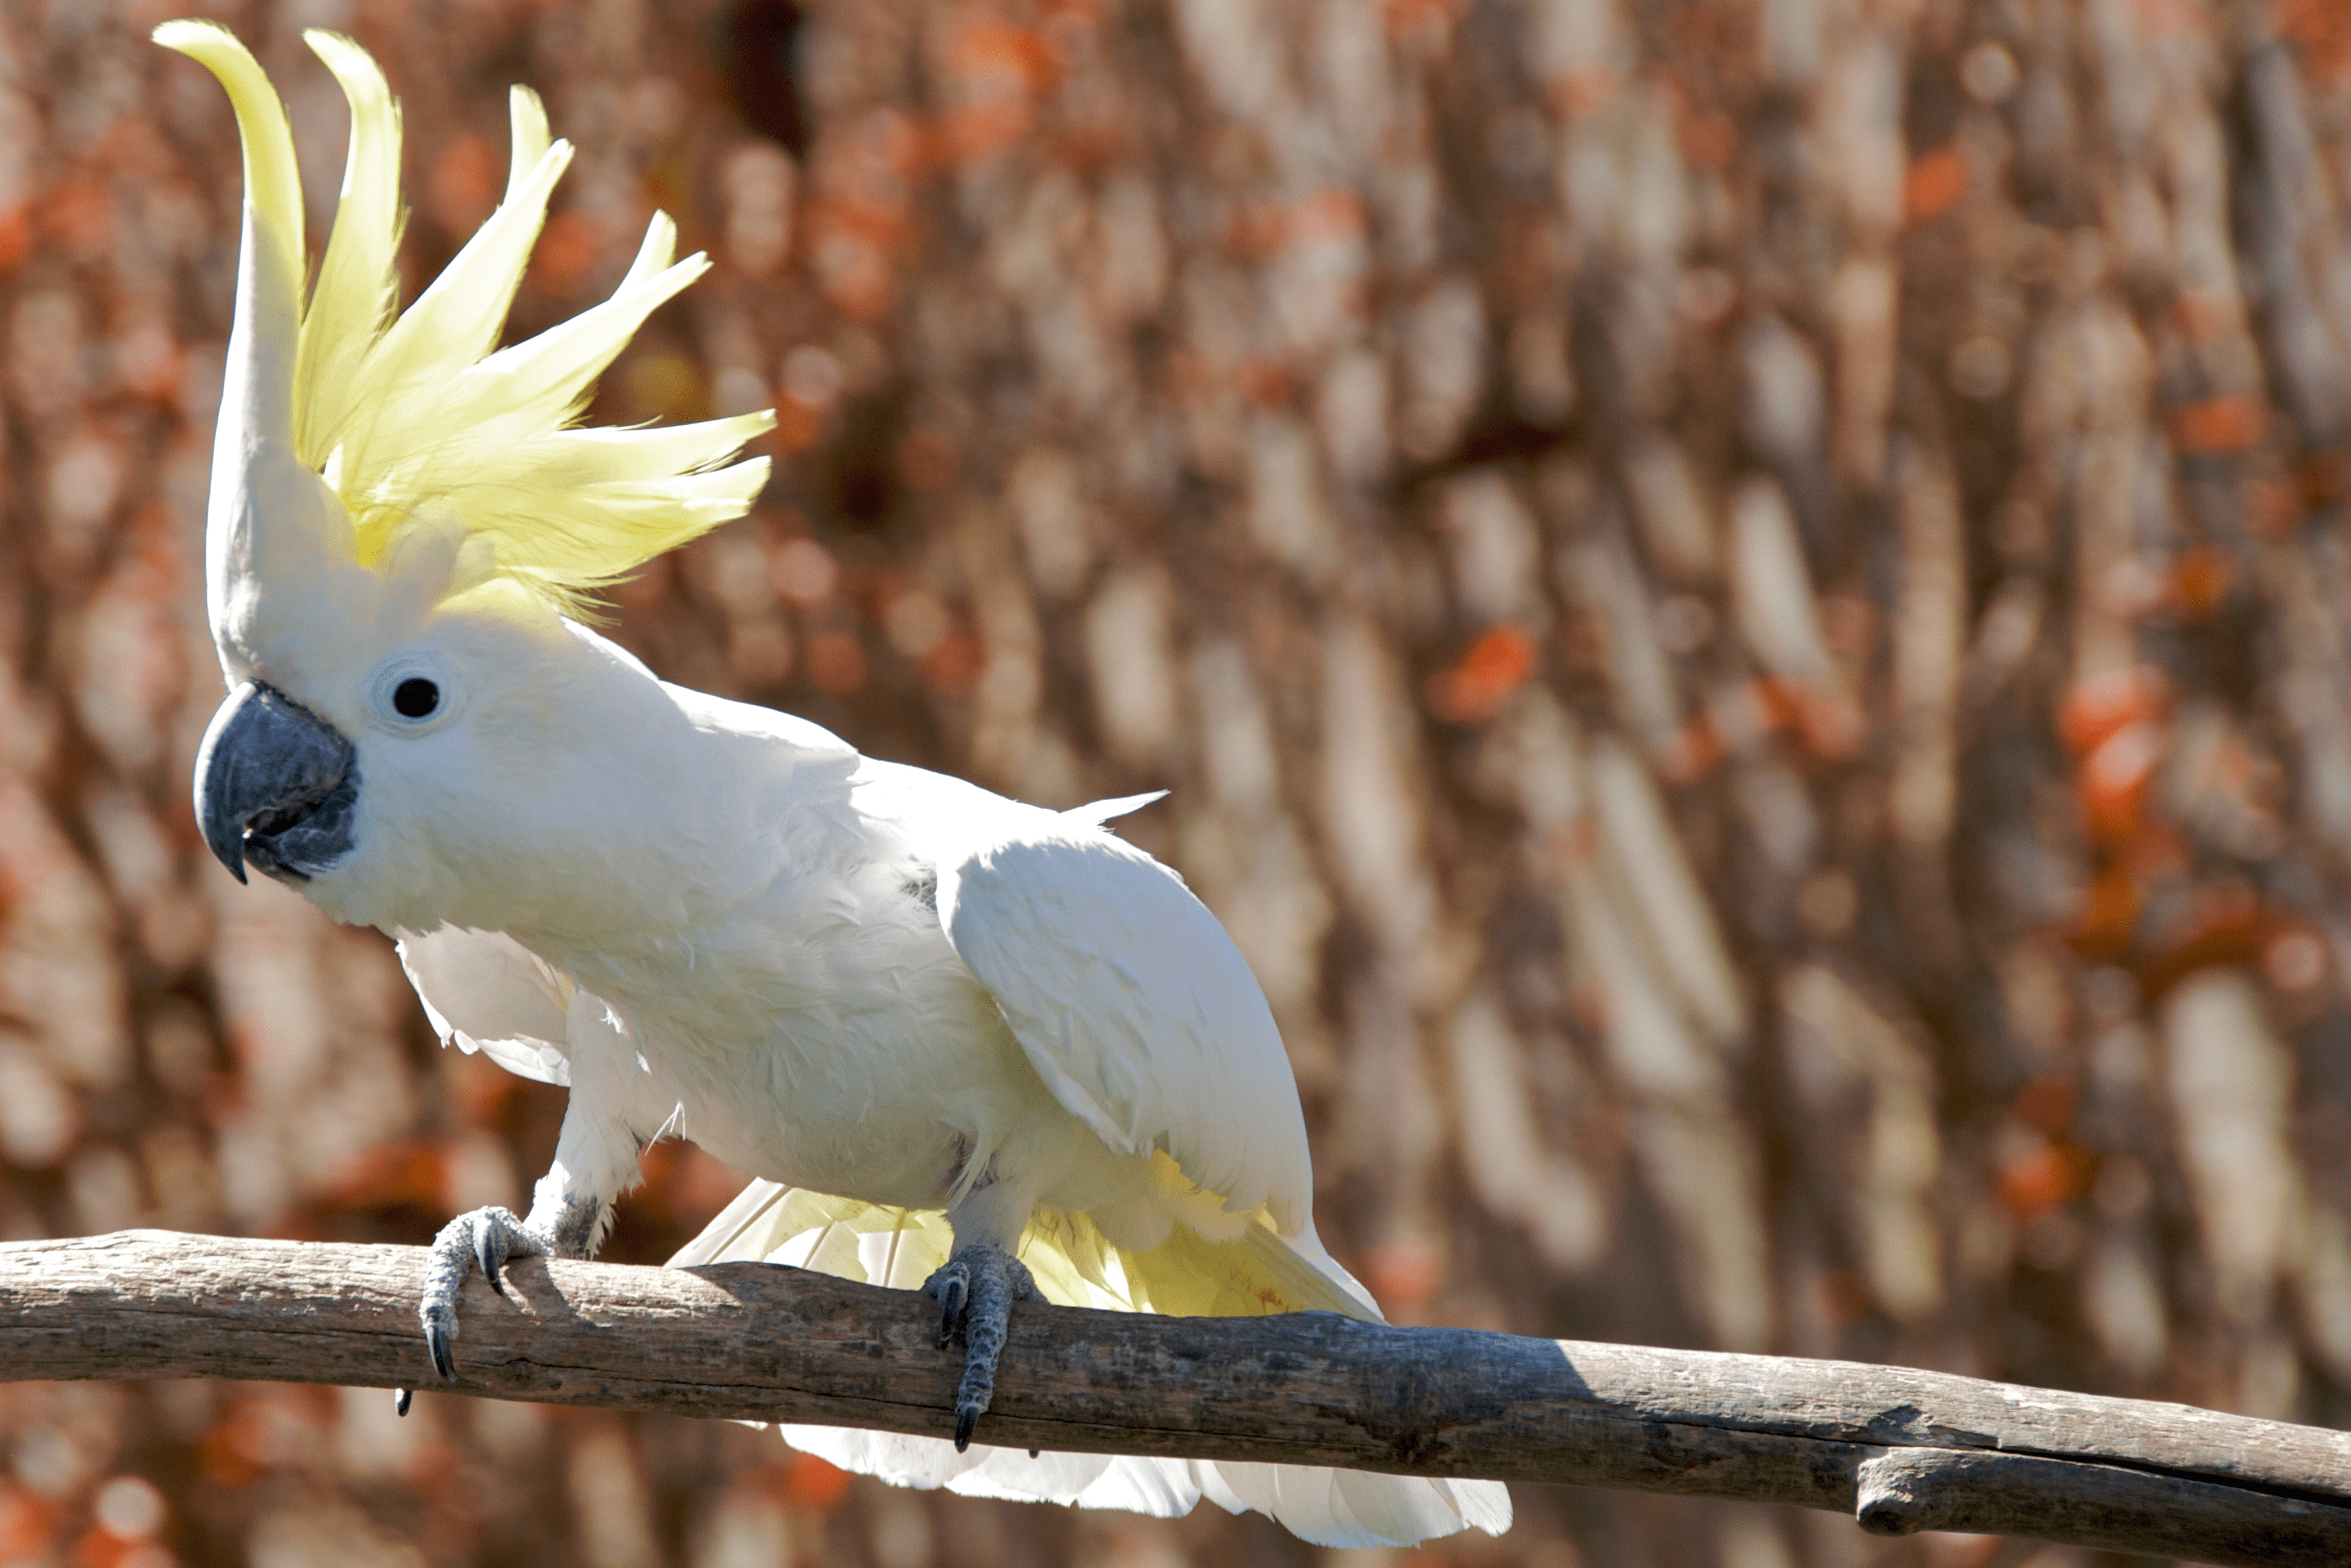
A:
(276, 785)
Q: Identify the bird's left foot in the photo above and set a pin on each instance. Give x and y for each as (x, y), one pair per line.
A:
(976, 1289)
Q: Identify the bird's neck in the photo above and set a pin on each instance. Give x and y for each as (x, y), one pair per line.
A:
(667, 812)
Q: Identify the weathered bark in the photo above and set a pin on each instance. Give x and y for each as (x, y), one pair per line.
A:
(1903, 1450)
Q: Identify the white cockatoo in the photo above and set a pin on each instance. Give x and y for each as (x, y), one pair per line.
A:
(961, 1043)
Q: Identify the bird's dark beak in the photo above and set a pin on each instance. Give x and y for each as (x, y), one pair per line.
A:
(276, 785)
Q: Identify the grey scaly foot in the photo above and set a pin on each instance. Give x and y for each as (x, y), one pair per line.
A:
(559, 1226)
(976, 1289)
(484, 1239)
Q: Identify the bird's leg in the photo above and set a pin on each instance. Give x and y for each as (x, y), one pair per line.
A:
(976, 1288)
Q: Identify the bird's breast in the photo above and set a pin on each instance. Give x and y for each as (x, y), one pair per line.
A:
(837, 1042)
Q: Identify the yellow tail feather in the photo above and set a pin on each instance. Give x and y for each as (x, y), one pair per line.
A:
(1255, 1274)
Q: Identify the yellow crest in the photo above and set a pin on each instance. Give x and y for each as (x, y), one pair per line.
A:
(416, 418)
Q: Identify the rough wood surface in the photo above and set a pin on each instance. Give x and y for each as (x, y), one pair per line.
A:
(1901, 1449)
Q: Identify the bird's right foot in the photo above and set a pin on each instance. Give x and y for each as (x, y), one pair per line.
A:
(559, 1226)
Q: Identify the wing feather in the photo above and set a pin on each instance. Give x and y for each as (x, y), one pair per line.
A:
(1132, 1004)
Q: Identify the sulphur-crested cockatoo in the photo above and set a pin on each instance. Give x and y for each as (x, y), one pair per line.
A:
(962, 1043)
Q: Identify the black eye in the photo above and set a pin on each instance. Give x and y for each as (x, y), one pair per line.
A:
(415, 697)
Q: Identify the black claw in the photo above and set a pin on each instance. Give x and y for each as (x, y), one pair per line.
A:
(490, 1252)
(953, 1294)
(967, 1418)
(436, 1339)
(1032, 1453)
(401, 1399)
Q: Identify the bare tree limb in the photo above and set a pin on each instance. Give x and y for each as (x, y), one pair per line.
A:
(1900, 1451)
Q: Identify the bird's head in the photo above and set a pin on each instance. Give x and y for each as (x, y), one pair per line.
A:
(404, 518)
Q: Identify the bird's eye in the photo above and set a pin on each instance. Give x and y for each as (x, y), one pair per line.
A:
(415, 697)
(415, 693)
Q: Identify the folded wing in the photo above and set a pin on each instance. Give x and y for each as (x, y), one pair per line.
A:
(1133, 1005)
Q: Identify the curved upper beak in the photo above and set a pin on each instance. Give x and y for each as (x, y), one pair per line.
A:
(276, 785)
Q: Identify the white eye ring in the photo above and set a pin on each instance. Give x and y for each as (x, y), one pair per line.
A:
(413, 694)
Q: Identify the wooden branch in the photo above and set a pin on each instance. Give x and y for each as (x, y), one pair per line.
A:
(1900, 1451)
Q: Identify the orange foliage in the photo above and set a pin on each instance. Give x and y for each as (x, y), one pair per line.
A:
(1933, 185)
(2102, 928)
(463, 185)
(569, 248)
(1476, 686)
(25, 1525)
(1694, 753)
(952, 664)
(811, 1484)
(2099, 706)
(2053, 1175)
(2220, 424)
(1402, 1275)
(2320, 30)
(2113, 781)
(2200, 580)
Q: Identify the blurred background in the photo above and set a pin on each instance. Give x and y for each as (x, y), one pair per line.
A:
(1747, 604)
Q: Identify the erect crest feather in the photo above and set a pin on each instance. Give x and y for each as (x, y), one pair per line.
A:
(416, 418)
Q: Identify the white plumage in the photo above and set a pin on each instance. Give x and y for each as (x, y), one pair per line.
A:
(923, 1016)
(970, 1004)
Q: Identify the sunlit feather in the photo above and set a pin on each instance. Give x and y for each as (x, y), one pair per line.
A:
(417, 412)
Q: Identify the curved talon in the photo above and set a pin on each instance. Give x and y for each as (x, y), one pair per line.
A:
(490, 1251)
(967, 1418)
(437, 1337)
(954, 1293)
(401, 1399)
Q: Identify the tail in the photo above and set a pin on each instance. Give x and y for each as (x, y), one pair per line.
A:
(1254, 1275)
